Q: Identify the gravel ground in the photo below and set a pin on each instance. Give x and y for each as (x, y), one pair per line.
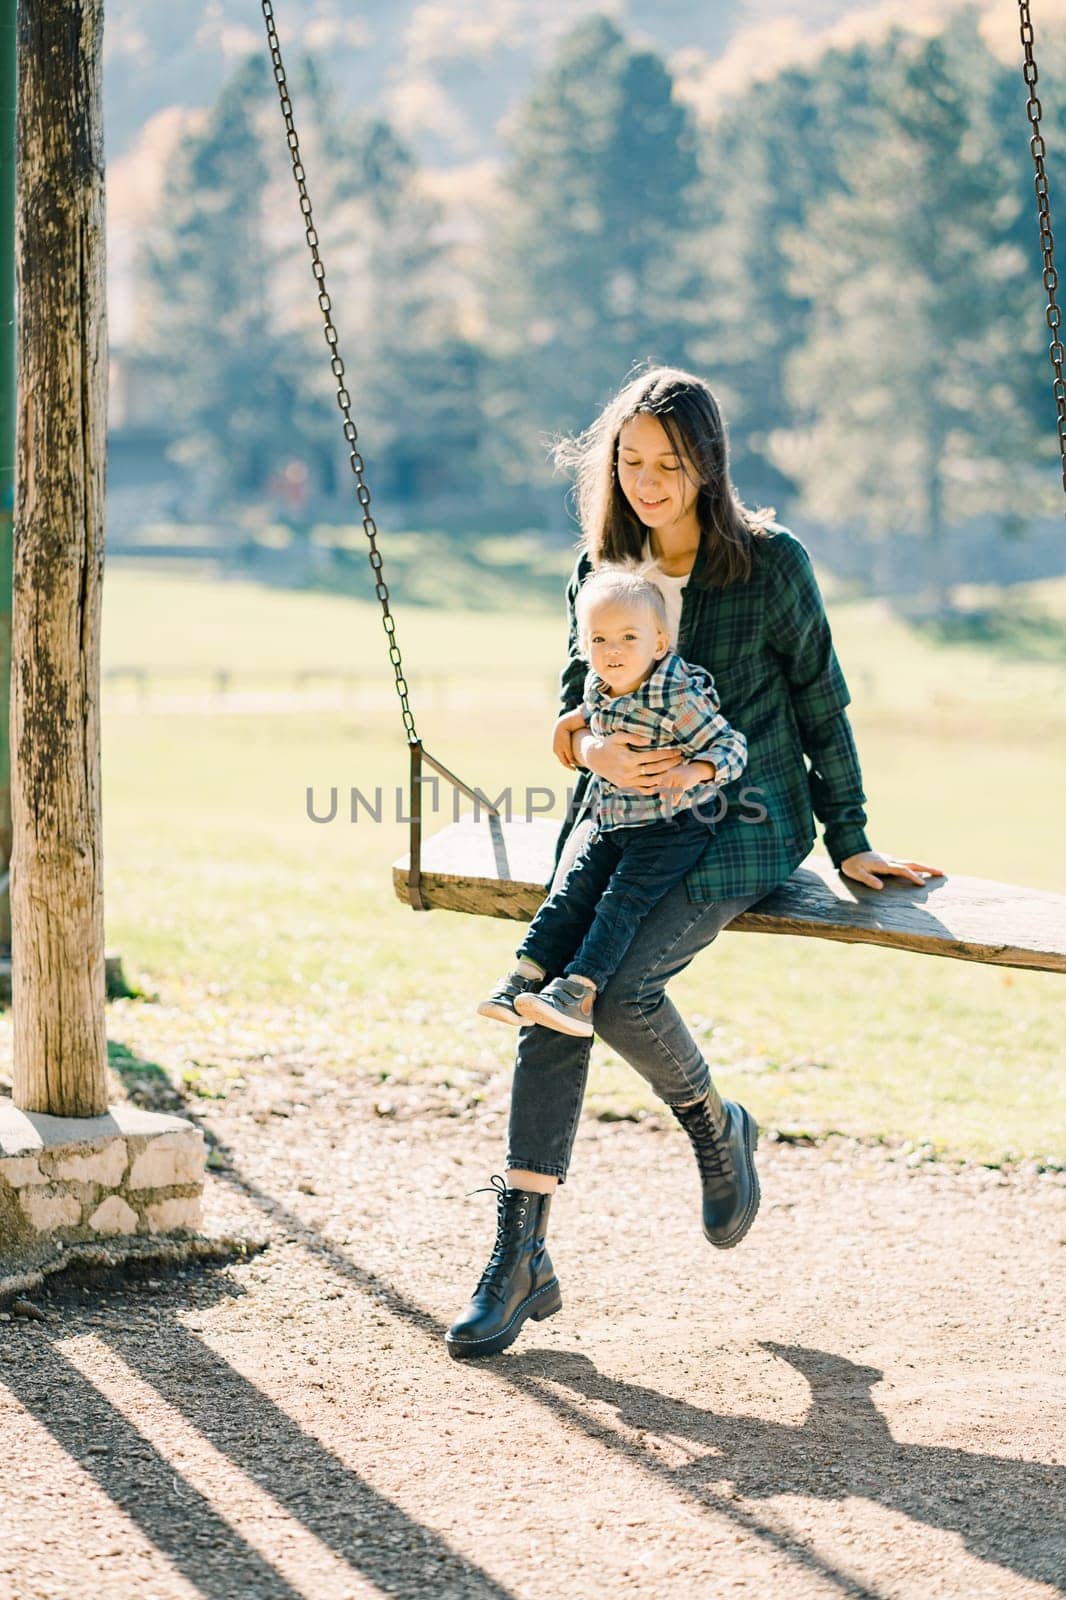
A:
(867, 1398)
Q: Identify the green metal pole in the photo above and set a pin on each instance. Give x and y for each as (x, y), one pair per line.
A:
(8, 10)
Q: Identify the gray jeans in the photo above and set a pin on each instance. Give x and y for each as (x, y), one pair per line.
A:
(633, 1015)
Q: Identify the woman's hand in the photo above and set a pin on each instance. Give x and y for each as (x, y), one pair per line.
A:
(687, 775)
(640, 769)
(569, 723)
(865, 866)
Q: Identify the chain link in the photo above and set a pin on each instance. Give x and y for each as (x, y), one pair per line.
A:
(344, 399)
(1038, 149)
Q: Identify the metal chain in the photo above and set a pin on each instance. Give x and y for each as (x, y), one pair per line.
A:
(344, 399)
(1047, 242)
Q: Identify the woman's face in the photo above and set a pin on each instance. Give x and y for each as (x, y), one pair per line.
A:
(660, 485)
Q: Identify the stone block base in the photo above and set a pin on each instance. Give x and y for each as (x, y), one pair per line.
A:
(68, 1180)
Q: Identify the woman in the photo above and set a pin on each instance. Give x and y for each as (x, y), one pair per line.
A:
(653, 483)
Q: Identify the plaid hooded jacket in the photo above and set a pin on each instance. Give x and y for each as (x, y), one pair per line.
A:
(676, 704)
(767, 643)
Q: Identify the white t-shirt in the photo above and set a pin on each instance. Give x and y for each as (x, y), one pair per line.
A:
(670, 588)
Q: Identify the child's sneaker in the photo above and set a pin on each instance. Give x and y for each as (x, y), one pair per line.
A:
(565, 1004)
(500, 1005)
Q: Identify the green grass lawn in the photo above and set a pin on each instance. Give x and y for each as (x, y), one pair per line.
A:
(265, 936)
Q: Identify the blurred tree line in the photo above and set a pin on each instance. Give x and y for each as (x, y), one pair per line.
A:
(849, 254)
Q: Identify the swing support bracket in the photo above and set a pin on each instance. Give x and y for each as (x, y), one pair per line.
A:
(420, 755)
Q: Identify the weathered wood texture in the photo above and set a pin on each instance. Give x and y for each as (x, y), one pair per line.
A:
(57, 868)
(116, 986)
(499, 871)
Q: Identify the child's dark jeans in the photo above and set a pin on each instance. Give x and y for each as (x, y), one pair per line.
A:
(588, 923)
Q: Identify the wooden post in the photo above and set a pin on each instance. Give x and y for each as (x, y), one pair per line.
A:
(7, 440)
(57, 865)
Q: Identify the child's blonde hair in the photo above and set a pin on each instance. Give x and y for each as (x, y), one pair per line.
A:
(624, 582)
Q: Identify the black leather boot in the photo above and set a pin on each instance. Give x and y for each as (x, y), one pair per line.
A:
(724, 1137)
(519, 1281)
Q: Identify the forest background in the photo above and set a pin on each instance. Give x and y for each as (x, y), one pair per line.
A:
(826, 210)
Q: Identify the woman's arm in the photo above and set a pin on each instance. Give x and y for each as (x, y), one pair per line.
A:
(627, 760)
(572, 677)
(569, 723)
(801, 637)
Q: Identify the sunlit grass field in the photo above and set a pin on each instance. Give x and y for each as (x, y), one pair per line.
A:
(264, 935)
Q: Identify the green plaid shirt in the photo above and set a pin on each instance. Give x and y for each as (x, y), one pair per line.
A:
(768, 646)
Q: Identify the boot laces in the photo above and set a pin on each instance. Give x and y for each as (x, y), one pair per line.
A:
(713, 1157)
(510, 1220)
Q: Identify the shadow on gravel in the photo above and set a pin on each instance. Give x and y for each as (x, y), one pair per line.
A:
(519, 1375)
(177, 1519)
(1008, 1512)
(364, 1528)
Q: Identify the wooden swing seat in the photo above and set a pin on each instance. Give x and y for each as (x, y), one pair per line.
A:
(498, 869)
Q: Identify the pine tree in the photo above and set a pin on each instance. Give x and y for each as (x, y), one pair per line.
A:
(779, 148)
(418, 375)
(208, 320)
(906, 392)
(232, 316)
(584, 275)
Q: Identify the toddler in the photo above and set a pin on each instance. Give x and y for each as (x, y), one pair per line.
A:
(640, 845)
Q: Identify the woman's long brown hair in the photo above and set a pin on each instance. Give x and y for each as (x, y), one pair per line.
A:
(689, 413)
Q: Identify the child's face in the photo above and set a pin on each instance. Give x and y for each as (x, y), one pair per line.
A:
(624, 643)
